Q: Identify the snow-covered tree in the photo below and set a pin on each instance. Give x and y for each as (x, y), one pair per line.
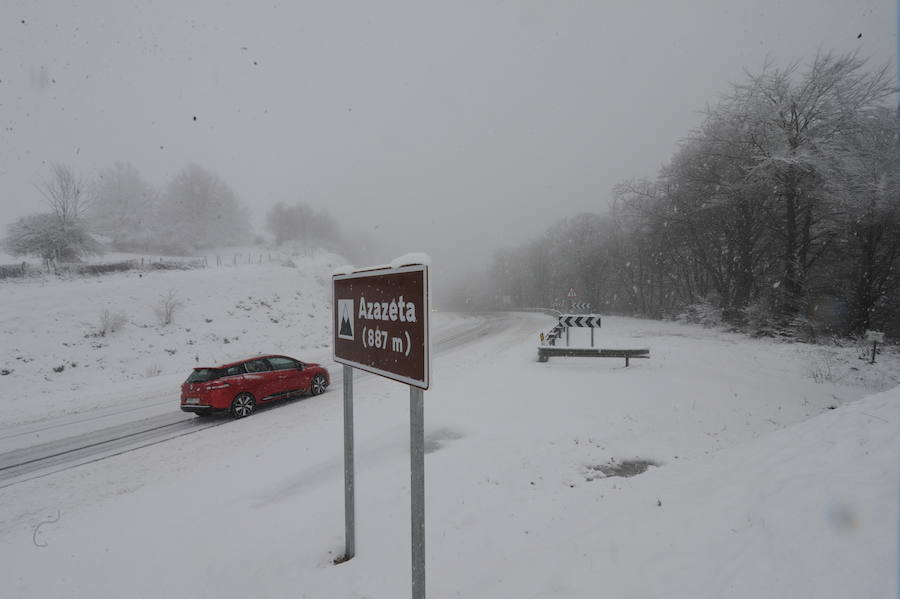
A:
(64, 193)
(60, 235)
(869, 210)
(200, 210)
(300, 222)
(124, 207)
(800, 128)
(781, 209)
(45, 236)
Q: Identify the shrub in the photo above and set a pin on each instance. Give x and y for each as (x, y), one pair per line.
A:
(99, 269)
(110, 322)
(824, 367)
(166, 308)
(760, 319)
(703, 312)
(49, 237)
(9, 271)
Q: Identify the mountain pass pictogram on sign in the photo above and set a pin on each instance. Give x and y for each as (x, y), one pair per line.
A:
(345, 312)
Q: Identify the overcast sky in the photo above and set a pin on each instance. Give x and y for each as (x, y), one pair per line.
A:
(449, 128)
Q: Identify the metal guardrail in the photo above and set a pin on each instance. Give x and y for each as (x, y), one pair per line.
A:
(548, 349)
(554, 334)
(545, 352)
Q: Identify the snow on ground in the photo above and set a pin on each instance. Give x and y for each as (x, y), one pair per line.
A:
(775, 468)
(58, 357)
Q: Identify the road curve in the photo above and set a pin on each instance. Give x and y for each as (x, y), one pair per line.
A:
(97, 440)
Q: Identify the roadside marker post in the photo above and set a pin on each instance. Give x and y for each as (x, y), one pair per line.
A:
(381, 325)
(875, 337)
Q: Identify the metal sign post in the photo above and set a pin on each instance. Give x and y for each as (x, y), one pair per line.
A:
(349, 470)
(417, 489)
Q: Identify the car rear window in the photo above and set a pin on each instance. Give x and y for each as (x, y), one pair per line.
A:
(202, 375)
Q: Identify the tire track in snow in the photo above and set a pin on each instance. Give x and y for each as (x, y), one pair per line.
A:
(44, 459)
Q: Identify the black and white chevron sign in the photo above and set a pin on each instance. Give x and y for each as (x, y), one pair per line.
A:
(580, 320)
(581, 306)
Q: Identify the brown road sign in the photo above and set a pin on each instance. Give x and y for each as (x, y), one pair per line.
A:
(381, 322)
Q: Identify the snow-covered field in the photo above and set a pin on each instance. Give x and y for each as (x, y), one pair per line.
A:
(775, 473)
(58, 358)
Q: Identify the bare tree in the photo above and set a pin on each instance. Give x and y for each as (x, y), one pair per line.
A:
(801, 128)
(64, 192)
(60, 234)
(870, 213)
(716, 211)
(125, 207)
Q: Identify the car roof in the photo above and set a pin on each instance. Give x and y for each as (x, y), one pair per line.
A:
(238, 362)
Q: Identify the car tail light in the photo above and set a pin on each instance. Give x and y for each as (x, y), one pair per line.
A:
(218, 386)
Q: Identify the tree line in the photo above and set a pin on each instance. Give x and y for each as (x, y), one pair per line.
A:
(778, 214)
(120, 210)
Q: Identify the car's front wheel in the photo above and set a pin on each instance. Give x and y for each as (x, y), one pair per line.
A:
(243, 405)
(318, 385)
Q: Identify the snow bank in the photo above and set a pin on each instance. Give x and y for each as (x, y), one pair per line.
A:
(807, 511)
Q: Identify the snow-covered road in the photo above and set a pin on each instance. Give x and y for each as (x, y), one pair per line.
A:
(149, 415)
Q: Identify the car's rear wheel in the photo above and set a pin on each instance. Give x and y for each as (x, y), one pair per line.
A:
(317, 387)
(243, 405)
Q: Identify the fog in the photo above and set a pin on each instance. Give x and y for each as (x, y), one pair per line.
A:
(452, 129)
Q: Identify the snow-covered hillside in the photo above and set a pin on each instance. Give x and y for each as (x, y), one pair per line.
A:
(771, 467)
(60, 356)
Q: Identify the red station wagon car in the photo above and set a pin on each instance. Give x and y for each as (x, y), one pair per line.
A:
(240, 386)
